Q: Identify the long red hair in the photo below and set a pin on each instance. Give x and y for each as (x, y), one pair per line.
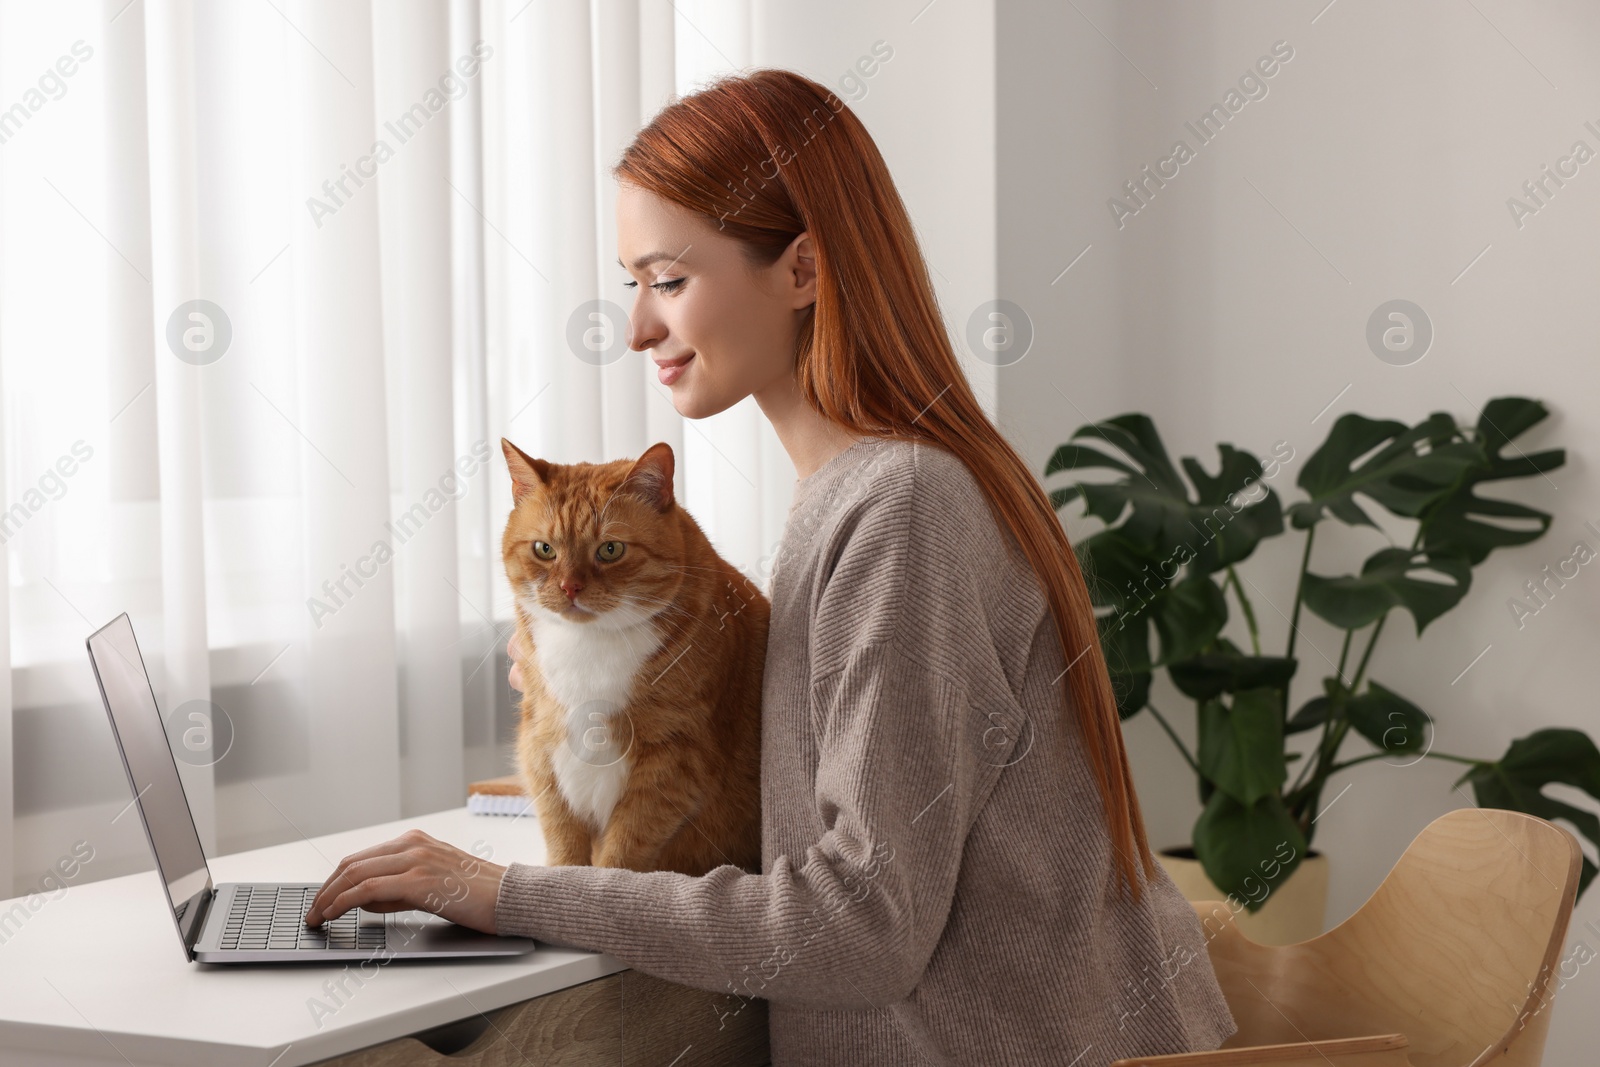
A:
(769, 154)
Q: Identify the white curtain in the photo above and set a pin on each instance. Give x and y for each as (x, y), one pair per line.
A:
(275, 278)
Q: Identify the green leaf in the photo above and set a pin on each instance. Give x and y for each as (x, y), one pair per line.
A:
(1209, 674)
(1388, 580)
(1318, 710)
(1229, 525)
(1150, 506)
(1125, 642)
(1132, 434)
(1151, 483)
(1247, 851)
(1388, 719)
(1241, 745)
(1113, 569)
(1516, 781)
(1188, 617)
(1071, 457)
(1118, 572)
(1132, 692)
(1463, 523)
(1310, 715)
(1406, 471)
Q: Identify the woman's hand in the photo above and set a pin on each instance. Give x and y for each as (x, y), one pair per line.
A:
(412, 871)
(515, 651)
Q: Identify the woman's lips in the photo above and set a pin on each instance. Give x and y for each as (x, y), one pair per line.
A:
(669, 372)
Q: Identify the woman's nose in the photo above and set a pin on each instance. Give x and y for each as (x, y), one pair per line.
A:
(644, 330)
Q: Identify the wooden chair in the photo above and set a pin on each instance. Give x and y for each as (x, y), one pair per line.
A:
(1450, 962)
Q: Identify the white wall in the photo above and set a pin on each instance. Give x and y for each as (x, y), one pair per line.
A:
(1233, 308)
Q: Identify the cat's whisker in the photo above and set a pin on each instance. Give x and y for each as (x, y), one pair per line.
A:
(698, 620)
(669, 608)
(692, 567)
(646, 596)
(685, 568)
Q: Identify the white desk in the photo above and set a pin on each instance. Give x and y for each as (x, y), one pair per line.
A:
(123, 992)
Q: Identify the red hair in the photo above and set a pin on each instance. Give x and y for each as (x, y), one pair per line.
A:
(769, 154)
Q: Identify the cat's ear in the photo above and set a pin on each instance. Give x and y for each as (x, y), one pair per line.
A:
(650, 477)
(527, 473)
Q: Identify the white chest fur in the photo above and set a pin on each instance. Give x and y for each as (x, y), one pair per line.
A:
(589, 670)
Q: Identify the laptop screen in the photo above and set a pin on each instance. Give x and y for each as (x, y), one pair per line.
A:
(152, 771)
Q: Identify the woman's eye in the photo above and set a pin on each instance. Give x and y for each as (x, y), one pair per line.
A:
(669, 286)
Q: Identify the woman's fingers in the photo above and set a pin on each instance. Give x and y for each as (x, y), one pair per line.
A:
(514, 651)
(347, 877)
(390, 892)
(394, 854)
(339, 879)
(412, 871)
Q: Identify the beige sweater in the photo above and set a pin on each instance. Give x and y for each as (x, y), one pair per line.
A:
(936, 883)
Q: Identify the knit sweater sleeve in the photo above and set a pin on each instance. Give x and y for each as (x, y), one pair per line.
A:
(904, 762)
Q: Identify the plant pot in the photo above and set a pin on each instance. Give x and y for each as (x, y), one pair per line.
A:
(1294, 911)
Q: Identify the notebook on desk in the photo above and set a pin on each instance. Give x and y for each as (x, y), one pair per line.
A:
(499, 796)
(233, 922)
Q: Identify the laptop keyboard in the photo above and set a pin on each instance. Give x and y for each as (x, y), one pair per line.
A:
(273, 917)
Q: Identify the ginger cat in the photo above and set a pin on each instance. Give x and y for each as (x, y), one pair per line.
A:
(640, 732)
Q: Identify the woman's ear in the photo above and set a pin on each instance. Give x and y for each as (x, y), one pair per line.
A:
(800, 270)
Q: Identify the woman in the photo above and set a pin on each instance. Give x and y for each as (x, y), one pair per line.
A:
(954, 865)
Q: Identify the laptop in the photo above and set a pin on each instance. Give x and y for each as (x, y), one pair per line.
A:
(235, 922)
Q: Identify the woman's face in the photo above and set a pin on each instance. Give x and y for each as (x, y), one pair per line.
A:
(698, 296)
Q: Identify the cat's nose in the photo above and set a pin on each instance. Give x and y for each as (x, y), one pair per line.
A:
(572, 587)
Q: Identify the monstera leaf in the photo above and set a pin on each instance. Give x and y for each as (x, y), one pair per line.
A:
(1388, 719)
(1465, 524)
(1410, 469)
(1151, 507)
(1151, 485)
(1228, 670)
(1125, 642)
(1247, 850)
(1310, 715)
(1241, 744)
(1119, 572)
(1121, 576)
(1390, 579)
(1516, 781)
(1187, 616)
(1230, 527)
(1126, 646)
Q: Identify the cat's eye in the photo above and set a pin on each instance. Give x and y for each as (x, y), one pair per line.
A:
(610, 551)
(543, 550)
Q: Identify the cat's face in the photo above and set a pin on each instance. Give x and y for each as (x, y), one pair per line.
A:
(593, 544)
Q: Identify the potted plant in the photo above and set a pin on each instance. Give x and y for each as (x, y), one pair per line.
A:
(1169, 558)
